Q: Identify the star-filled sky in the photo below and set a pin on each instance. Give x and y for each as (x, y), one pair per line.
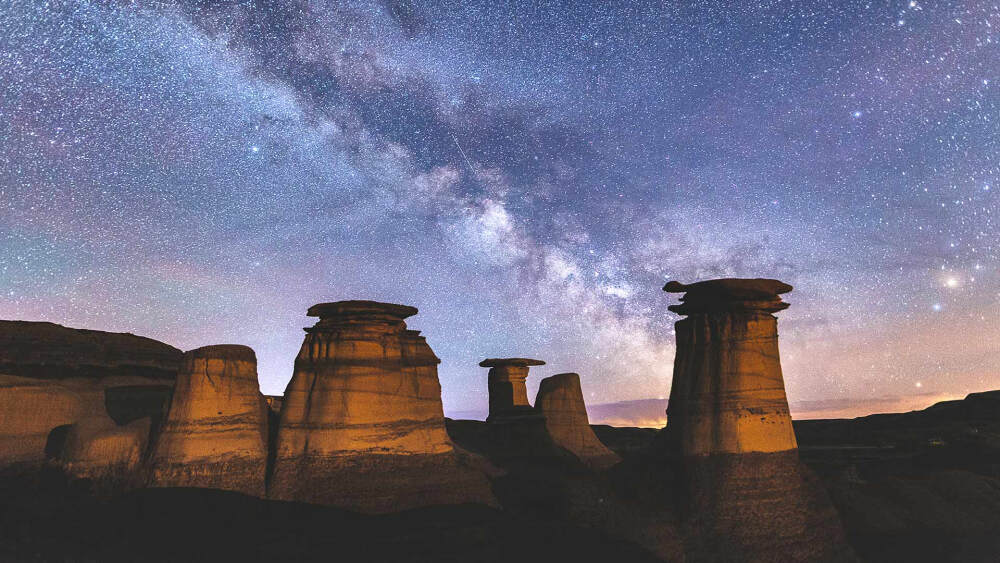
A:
(527, 175)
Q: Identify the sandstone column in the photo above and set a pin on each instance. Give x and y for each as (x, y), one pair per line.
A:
(506, 380)
(746, 496)
(560, 401)
(728, 395)
(215, 435)
(361, 422)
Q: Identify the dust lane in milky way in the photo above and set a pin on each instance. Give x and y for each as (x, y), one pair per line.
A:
(527, 176)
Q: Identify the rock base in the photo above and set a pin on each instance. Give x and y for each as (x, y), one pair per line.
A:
(377, 484)
(757, 508)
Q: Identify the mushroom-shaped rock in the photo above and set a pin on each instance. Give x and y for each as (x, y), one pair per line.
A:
(506, 381)
(748, 498)
(216, 429)
(728, 394)
(361, 424)
(560, 400)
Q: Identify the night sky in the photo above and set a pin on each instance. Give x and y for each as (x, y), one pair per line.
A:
(527, 176)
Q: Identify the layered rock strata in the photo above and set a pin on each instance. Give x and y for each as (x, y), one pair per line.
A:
(89, 380)
(728, 394)
(560, 401)
(746, 496)
(215, 433)
(506, 381)
(361, 422)
(31, 411)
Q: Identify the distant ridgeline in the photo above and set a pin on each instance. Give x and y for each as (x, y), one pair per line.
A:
(361, 426)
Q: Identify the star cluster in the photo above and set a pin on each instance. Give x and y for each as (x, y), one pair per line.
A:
(527, 175)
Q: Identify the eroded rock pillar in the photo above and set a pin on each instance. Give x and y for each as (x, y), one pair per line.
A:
(215, 434)
(361, 422)
(506, 381)
(744, 494)
(560, 401)
(728, 393)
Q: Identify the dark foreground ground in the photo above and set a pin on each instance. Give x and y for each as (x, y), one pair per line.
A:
(47, 518)
(920, 486)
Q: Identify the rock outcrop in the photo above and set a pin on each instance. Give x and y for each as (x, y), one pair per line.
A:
(746, 496)
(361, 422)
(49, 351)
(31, 411)
(215, 434)
(101, 449)
(506, 380)
(60, 378)
(560, 401)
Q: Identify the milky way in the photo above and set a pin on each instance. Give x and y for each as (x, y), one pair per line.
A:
(527, 176)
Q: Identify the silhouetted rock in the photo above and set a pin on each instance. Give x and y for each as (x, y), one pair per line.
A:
(506, 381)
(215, 434)
(560, 401)
(51, 351)
(745, 495)
(361, 423)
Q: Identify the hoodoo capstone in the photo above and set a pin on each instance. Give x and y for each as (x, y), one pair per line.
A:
(560, 401)
(361, 422)
(746, 495)
(506, 381)
(215, 434)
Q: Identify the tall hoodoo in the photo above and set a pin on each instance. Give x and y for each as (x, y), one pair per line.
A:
(560, 401)
(506, 380)
(746, 495)
(728, 394)
(361, 422)
(215, 435)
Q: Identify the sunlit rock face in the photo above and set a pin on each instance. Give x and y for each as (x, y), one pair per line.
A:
(560, 401)
(744, 494)
(361, 422)
(215, 434)
(506, 381)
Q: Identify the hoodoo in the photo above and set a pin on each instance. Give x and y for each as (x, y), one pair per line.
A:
(361, 423)
(215, 435)
(728, 394)
(747, 496)
(560, 401)
(506, 380)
